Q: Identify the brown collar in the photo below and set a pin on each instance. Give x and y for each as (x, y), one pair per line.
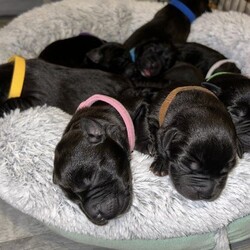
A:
(165, 105)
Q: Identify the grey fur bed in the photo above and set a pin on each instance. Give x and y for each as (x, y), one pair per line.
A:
(28, 139)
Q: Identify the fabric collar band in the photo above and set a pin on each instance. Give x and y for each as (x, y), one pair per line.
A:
(184, 9)
(216, 66)
(17, 81)
(219, 74)
(165, 105)
(121, 110)
(132, 54)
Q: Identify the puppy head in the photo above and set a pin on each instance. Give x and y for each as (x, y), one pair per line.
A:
(200, 150)
(198, 6)
(110, 56)
(92, 167)
(154, 57)
(235, 94)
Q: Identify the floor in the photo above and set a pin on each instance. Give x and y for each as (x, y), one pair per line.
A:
(22, 232)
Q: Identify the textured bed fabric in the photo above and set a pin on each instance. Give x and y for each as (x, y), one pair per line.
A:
(28, 139)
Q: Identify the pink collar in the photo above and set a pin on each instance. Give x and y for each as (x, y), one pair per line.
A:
(120, 108)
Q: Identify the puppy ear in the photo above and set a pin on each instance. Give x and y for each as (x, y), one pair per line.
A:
(94, 55)
(212, 87)
(93, 129)
(168, 137)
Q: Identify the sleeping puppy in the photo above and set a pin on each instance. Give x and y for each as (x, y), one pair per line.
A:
(169, 23)
(55, 85)
(203, 58)
(234, 91)
(92, 161)
(151, 61)
(71, 52)
(148, 60)
(193, 140)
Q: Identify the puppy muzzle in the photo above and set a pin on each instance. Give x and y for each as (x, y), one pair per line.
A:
(199, 188)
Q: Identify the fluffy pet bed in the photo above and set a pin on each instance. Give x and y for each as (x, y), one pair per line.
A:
(159, 218)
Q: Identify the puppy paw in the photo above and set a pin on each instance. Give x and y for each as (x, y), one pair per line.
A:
(159, 167)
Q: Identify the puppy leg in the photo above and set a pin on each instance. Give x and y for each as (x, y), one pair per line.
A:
(14, 103)
(159, 166)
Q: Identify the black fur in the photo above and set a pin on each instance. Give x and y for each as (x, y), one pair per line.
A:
(71, 52)
(155, 61)
(112, 57)
(184, 73)
(154, 57)
(196, 145)
(234, 91)
(92, 161)
(203, 58)
(168, 24)
(58, 86)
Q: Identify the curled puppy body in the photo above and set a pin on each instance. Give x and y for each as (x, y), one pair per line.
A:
(71, 52)
(184, 73)
(203, 58)
(234, 91)
(92, 161)
(168, 24)
(55, 85)
(196, 144)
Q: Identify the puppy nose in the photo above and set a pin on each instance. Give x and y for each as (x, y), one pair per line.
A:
(207, 191)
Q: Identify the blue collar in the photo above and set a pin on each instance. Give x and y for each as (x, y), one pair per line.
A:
(184, 9)
(132, 54)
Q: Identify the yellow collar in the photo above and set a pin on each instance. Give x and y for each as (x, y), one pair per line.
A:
(17, 77)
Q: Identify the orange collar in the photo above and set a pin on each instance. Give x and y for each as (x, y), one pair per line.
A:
(17, 81)
(165, 105)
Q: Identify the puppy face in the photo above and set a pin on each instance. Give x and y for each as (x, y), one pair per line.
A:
(154, 57)
(200, 170)
(200, 150)
(92, 167)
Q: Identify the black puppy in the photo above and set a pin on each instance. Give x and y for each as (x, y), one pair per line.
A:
(192, 138)
(92, 160)
(152, 61)
(203, 58)
(153, 57)
(71, 52)
(170, 23)
(55, 85)
(112, 57)
(234, 91)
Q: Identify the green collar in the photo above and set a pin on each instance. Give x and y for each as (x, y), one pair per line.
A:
(219, 74)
